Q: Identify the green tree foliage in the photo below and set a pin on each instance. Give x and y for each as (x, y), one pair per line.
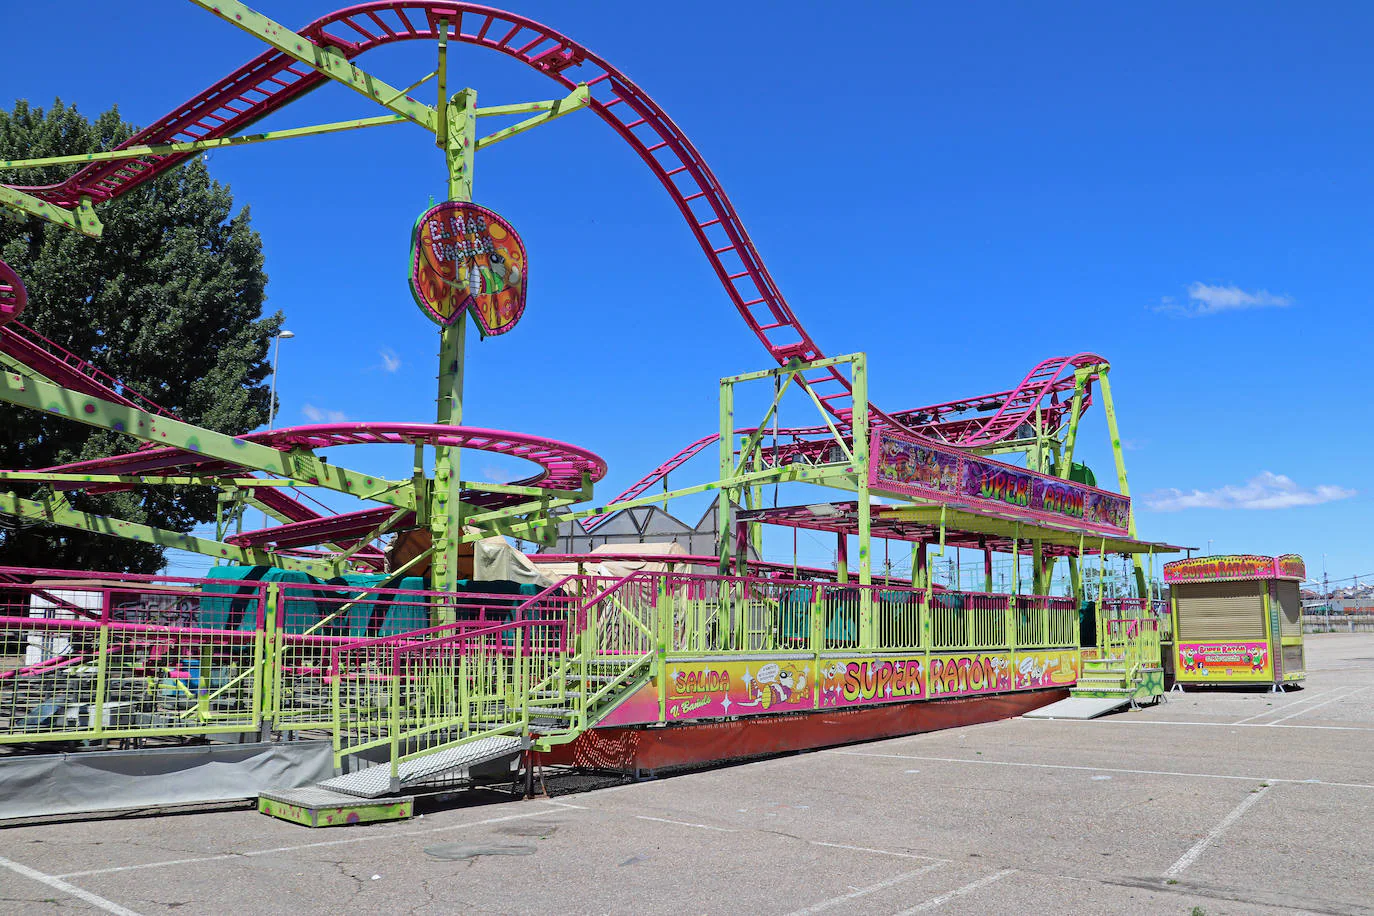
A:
(169, 301)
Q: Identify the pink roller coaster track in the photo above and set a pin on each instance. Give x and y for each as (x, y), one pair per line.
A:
(272, 80)
(943, 422)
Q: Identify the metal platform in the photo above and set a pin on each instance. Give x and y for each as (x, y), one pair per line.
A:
(317, 807)
(376, 781)
(1078, 708)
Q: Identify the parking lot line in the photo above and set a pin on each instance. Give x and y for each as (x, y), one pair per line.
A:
(1191, 856)
(1300, 701)
(969, 888)
(1308, 709)
(369, 838)
(1066, 766)
(664, 820)
(70, 890)
(865, 891)
(1206, 724)
(881, 852)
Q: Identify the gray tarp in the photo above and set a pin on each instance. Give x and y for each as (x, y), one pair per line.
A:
(46, 784)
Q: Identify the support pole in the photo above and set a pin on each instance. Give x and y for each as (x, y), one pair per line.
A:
(859, 423)
(446, 513)
(727, 468)
(1110, 410)
(987, 565)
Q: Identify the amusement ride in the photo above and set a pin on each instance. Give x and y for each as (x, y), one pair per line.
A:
(378, 628)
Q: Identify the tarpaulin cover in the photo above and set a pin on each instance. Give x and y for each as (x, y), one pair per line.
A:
(657, 558)
(47, 784)
(494, 558)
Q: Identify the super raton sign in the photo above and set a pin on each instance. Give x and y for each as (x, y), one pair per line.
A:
(462, 257)
(1235, 566)
(923, 469)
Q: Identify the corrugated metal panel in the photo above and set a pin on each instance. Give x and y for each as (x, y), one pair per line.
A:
(1291, 604)
(1215, 611)
(1292, 659)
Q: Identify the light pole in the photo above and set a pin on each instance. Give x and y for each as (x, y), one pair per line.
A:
(1209, 547)
(276, 354)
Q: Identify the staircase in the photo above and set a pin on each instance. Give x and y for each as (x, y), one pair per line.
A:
(1104, 678)
(467, 700)
(1128, 673)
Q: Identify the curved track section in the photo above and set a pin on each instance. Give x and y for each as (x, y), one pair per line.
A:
(1020, 406)
(943, 422)
(13, 295)
(561, 467)
(654, 476)
(272, 80)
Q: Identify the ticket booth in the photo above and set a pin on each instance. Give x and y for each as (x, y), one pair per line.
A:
(1237, 619)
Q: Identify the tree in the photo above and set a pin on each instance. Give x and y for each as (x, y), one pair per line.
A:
(169, 301)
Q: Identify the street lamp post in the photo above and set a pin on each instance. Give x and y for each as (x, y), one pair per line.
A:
(276, 354)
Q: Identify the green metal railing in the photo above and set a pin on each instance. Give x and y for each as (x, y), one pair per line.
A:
(275, 658)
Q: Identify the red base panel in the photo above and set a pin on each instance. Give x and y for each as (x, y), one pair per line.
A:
(640, 749)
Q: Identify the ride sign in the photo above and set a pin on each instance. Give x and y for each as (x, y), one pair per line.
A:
(463, 257)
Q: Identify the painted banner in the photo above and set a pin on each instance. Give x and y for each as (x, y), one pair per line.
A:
(465, 257)
(1222, 568)
(927, 470)
(1290, 566)
(1224, 661)
(714, 689)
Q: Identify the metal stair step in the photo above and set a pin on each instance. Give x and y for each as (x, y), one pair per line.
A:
(375, 781)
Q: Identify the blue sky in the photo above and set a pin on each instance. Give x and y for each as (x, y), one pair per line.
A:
(959, 190)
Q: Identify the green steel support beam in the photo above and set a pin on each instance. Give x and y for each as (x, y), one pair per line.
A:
(327, 61)
(195, 146)
(13, 365)
(55, 510)
(445, 510)
(82, 220)
(564, 106)
(1110, 410)
(300, 465)
(727, 467)
(1080, 387)
(868, 634)
(441, 113)
(228, 482)
(750, 444)
(461, 153)
(794, 366)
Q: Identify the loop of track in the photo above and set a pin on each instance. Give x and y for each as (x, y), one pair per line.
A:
(561, 465)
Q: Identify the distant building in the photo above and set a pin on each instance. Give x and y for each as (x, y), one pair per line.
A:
(646, 525)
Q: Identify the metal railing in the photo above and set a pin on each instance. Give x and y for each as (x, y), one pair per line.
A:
(694, 613)
(90, 657)
(1134, 642)
(99, 657)
(1134, 608)
(418, 693)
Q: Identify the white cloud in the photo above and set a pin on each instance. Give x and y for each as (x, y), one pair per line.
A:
(317, 415)
(391, 360)
(1266, 490)
(1205, 299)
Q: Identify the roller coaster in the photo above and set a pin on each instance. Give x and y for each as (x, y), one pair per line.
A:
(611, 644)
